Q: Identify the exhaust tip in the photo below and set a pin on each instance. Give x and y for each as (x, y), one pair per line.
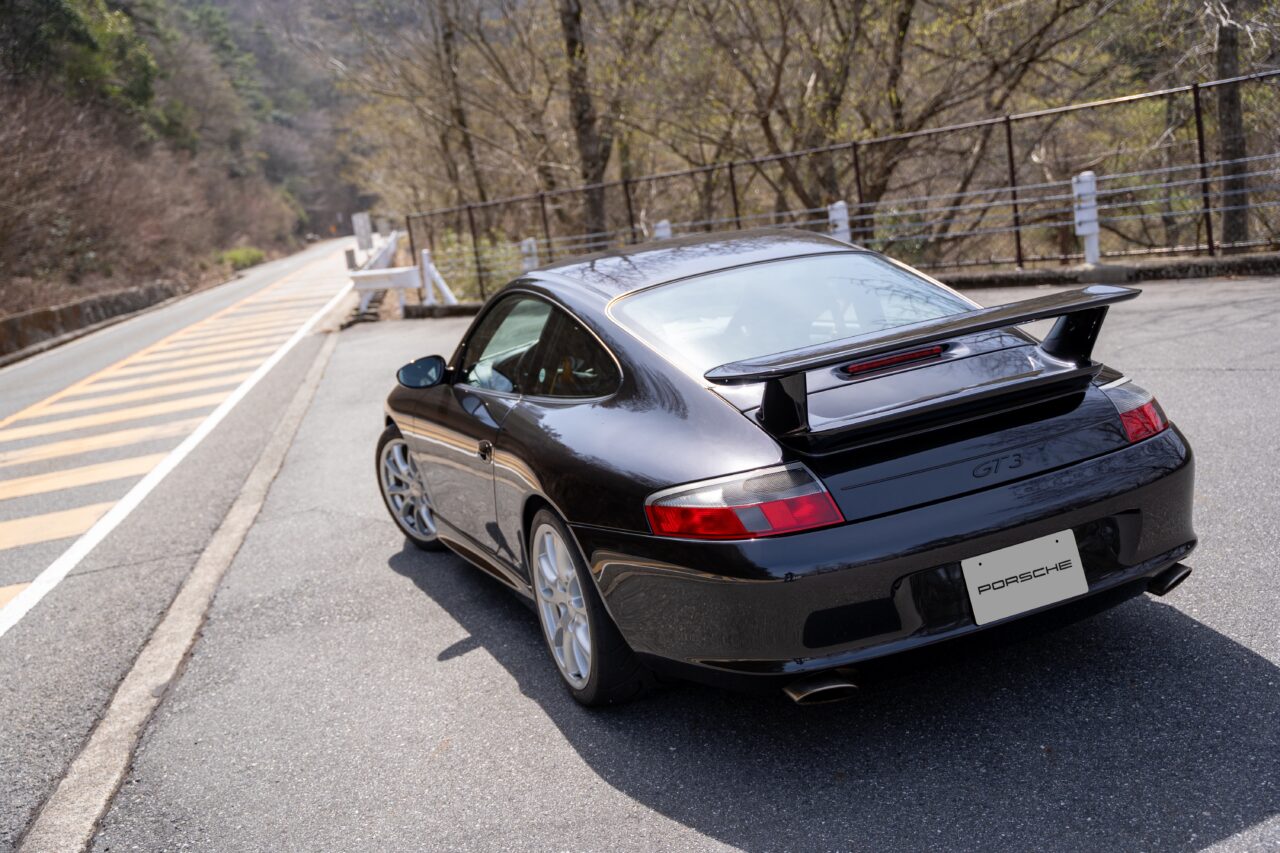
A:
(821, 689)
(1168, 580)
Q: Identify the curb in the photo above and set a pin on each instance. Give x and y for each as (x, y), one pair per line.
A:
(1260, 264)
(462, 309)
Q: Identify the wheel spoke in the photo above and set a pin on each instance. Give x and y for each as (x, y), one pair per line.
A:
(547, 571)
(566, 649)
(402, 459)
(407, 510)
(565, 565)
(582, 636)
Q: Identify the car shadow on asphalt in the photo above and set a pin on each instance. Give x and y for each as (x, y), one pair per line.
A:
(1137, 729)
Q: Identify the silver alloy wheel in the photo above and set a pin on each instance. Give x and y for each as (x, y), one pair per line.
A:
(561, 605)
(407, 497)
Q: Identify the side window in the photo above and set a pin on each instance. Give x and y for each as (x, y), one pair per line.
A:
(571, 363)
(498, 354)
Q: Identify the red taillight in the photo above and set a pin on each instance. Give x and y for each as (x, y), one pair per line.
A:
(1140, 414)
(890, 360)
(769, 502)
(1143, 422)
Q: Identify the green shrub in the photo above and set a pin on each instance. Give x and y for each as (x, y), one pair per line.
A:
(242, 257)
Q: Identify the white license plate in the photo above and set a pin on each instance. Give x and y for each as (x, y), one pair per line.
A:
(1023, 577)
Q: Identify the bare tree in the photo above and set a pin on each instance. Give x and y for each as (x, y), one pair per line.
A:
(1232, 149)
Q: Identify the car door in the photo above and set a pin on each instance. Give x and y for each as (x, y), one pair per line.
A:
(458, 422)
(568, 374)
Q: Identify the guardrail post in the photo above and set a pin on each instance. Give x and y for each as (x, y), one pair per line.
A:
(1013, 189)
(662, 230)
(733, 194)
(475, 248)
(546, 226)
(857, 185)
(631, 216)
(426, 287)
(529, 253)
(838, 220)
(1084, 187)
(1205, 205)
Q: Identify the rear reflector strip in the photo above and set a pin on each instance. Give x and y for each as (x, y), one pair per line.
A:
(890, 360)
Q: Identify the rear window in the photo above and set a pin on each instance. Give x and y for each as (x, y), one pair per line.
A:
(770, 308)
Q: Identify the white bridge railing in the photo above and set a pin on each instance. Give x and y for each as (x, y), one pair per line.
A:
(377, 275)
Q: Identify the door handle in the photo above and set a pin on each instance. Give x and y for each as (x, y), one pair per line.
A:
(485, 450)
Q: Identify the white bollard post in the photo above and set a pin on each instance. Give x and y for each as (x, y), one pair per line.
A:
(662, 230)
(435, 281)
(427, 291)
(529, 254)
(838, 220)
(1084, 187)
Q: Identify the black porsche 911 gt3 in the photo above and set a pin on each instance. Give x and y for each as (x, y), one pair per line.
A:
(771, 457)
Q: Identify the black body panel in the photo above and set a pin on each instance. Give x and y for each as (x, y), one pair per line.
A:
(920, 469)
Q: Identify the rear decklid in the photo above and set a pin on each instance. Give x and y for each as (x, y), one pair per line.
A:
(930, 410)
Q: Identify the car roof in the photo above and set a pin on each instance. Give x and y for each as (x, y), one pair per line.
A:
(610, 274)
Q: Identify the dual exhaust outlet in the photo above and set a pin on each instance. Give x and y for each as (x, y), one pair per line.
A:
(839, 684)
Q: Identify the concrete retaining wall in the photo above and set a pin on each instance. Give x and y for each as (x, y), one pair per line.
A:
(34, 330)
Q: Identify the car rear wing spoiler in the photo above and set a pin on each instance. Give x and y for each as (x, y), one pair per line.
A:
(785, 405)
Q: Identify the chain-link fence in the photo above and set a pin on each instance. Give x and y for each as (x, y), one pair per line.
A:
(985, 193)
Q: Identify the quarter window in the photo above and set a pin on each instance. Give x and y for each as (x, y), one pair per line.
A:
(571, 363)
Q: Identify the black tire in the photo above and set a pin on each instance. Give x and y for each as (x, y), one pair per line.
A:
(420, 538)
(615, 675)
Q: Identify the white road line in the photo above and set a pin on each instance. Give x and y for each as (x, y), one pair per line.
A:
(59, 568)
(71, 814)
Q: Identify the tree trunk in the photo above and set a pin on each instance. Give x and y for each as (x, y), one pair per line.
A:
(594, 147)
(1231, 139)
(457, 111)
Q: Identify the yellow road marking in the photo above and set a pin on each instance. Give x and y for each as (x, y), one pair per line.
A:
(167, 390)
(255, 342)
(9, 593)
(170, 363)
(69, 478)
(167, 376)
(50, 526)
(103, 441)
(305, 301)
(136, 413)
(214, 335)
(242, 320)
(273, 290)
(261, 340)
(267, 313)
(241, 339)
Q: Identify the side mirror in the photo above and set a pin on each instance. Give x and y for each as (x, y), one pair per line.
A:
(423, 373)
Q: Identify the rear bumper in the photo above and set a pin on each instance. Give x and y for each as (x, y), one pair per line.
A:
(796, 604)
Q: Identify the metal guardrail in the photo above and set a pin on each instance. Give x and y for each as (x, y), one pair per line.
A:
(1158, 198)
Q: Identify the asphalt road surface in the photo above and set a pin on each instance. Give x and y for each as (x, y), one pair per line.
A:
(349, 692)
